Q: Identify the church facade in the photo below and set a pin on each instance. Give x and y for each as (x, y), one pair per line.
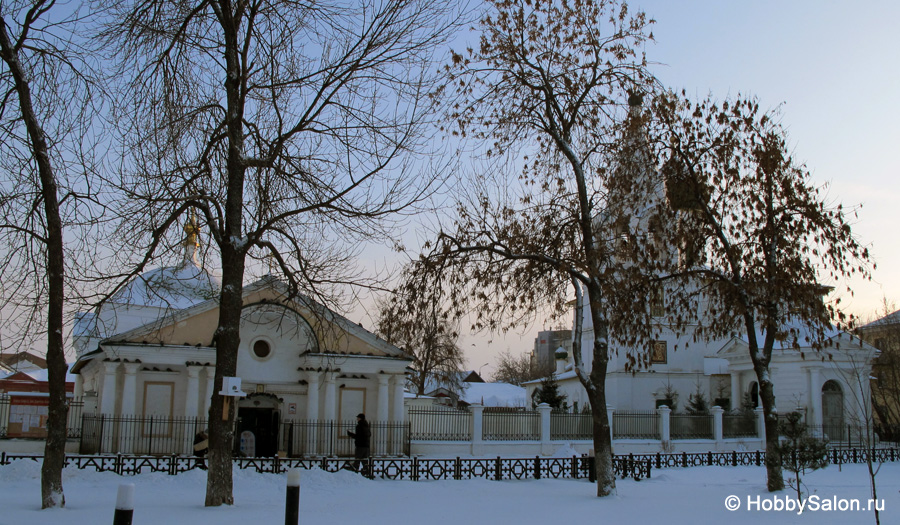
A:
(147, 354)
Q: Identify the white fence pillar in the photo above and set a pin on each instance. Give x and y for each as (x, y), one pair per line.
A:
(718, 431)
(477, 426)
(760, 424)
(544, 409)
(664, 426)
(610, 417)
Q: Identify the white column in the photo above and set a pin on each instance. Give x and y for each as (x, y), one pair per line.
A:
(736, 396)
(210, 384)
(718, 431)
(383, 404)
(330, 397)
(129, 403)
(397, 408)
(129, 390)
(544, 409)
(610, 418)
(397, 414)
(815, 397)
(108, 401)
(79, 386)
(192, 394)
(664, 423)
(477, 429)
(760, 424)
(312, 396)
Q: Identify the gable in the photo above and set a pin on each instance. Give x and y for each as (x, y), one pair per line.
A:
(315, 328)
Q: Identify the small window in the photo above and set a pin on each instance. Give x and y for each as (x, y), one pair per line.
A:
(658, 302)
(658, 352)
(262, 349)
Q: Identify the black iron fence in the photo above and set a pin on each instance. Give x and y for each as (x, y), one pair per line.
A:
(511, 426)
(331, 438)
(636, 466)
(691, 426)
(571, 426)
(636, 425)
(440, 424)
(738, 425)
(101, 434)
(139, 435)
(412, 469)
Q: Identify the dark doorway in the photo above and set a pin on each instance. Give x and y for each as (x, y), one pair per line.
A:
(263, 423)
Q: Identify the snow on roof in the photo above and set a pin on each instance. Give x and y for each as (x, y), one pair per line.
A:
(170, 287)
(493, 394)
(41, 375)
(892, 318)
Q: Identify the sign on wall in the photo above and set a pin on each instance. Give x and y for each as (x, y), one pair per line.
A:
(28, 417)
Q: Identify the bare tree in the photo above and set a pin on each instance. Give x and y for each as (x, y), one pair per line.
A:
(289, 127)
(856, 373)
(44, 114)
(759, 241)
(544, 90)
(516, 370)
(883, 332)
(426, 332)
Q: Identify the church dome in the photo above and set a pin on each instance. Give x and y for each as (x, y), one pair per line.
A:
(170, 287)
(174, 287)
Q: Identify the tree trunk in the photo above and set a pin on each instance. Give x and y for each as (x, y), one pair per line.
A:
(219, 485)
(774, 478)
(55, 446)
(603, 457)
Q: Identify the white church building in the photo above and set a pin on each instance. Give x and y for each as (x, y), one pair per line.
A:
(147, 354)
(830, 387)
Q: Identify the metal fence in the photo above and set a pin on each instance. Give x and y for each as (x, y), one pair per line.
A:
(636, 425)
(103, 434)
(739, 425)
(412, 469)
(139, 435)
(511, 426)
(691, 426)
(330, 438)
(571, 426)
(73, 418)
(440, 424)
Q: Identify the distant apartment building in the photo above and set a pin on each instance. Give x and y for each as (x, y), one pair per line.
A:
(545, 345)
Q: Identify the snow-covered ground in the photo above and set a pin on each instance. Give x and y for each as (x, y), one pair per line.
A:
(673, 496)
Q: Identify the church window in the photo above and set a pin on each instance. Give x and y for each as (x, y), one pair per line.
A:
(261, 348)
(658, 352)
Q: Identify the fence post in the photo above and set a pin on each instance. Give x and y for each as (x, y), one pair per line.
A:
(718, 431)
(477, 429)
(498, 470)
(537, 467)
(664, 425)
(544, 409)
(760, 425)
(610, 417)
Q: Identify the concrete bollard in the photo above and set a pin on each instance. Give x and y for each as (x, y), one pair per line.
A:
(124, 505)
(292, 501)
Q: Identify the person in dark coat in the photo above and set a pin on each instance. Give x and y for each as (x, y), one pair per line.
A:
(201, 447)
(361, 440)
